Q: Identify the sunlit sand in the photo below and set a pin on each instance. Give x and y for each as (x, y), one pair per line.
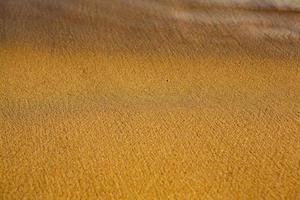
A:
(148, 100)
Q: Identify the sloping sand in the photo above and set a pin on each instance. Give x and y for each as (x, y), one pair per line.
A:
(148, 100)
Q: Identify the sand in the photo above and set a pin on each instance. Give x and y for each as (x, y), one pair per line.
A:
(148, 100)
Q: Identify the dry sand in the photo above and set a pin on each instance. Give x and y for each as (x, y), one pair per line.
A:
(148, 100)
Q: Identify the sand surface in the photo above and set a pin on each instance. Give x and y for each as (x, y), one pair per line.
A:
(148, 100)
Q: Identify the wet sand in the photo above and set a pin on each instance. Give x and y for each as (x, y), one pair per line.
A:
(148, 100)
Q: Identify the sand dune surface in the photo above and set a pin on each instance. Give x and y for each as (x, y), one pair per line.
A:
(149, 100)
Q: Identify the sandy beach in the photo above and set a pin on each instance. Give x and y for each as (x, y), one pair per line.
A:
(148, 100)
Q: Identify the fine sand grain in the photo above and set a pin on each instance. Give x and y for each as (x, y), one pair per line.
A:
(137, 99)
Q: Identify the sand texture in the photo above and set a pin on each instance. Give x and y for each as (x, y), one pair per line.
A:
(135, 99)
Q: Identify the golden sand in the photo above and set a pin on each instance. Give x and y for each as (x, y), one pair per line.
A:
(101, 100)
